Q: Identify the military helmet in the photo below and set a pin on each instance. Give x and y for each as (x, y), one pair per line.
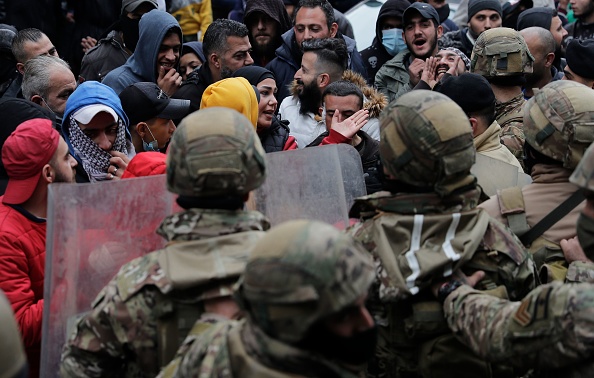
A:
(501, 52)
(583, 175)
(299, 273)
(426, 141)
(559, 121)
(215, 152)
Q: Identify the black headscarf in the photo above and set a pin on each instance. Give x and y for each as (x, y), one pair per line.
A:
(254, 74)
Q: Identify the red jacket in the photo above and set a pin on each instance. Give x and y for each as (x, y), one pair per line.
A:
(22, 265)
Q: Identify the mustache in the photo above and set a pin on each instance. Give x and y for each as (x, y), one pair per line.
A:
(299, 81)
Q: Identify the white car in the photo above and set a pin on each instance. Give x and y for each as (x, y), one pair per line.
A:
(363, 17)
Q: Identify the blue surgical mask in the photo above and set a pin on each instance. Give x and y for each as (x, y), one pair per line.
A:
(392, 41)
(151, 146)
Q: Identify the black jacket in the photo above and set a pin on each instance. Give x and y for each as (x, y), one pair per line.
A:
(194, 87)
(275, 137)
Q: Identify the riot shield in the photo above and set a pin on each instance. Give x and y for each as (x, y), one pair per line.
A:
(493, 174)
(318, 183)
(92, 230)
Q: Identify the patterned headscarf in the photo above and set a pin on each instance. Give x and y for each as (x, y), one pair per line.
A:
(96, 161)
(461, 55)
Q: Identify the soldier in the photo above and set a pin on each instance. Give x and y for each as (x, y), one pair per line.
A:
(552, 328)
(304, 291)
(502, 57)
(559, 126)
(425, 227)
(139, 319)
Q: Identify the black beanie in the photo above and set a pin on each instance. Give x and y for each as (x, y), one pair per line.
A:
(539, 16)
(475, 6)
(580, 55)
(470, 91)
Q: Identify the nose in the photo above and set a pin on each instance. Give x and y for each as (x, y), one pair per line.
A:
(365, 320)
(273, 101)
(564, 33)
(170, 54)
(261, 25)
(103, 142)
(248, 60)
(298, 74)
(488, 24)
(72, 161)
(417, 29)
(171, 127)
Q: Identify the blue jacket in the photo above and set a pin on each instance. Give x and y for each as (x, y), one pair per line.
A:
(90, 93)
(288, 62)
(142, 65)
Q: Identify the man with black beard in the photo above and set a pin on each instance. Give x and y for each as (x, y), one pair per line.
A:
(403, 72)
(323, 62)
(267, 21)
(583, 27)
(542, 46)
(113, 50)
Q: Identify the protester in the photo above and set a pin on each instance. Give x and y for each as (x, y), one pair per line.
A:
(273, 133)
(579, 55)
(23, 225)
(541, 44)
(234, 93)
(192, 58)
(9, 76)
(194, 17)
(95, 128)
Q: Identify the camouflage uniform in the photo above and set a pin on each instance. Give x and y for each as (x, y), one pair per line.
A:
(416, 237)
(498, 54)
(299, 273)
(153, 300)
(512, 129)
(559, 124)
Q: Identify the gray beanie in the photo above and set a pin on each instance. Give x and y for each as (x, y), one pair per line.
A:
(475, 6)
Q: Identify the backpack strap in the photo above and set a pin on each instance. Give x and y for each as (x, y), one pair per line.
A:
(512, 207)
(553, 217)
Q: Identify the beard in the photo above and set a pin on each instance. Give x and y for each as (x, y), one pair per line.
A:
(226, 72)
(310, 98)
(65, 177)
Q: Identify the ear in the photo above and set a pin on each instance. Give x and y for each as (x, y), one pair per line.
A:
(37, 99)
(214, 61)
(47, 174)
(323, 80)
(141, 129)
(549, 60)
(21, 68)
(333, 30)
(439, 31)
(474, 126)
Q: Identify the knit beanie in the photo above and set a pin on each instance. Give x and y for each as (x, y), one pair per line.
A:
(535, 17)
(475, 6)
(580, 55)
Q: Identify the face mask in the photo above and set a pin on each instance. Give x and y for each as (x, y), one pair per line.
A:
(151, 146)
(585, 234)
(443, 13)
(130, 30)
(392, 41)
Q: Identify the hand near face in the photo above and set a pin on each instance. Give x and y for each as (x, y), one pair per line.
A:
(429, 71)
(169, 81)
(87, 43)
(454, 67)
(351, 125)
(415, 70)
(117, 165)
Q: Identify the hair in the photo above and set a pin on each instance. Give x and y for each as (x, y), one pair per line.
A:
(215, 37)
(487, 114)
(36, 78)
(19, 41)
(324, 4)
(343, 88)
(332, 55)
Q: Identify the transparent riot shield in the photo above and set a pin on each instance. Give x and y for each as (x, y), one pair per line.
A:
(318, 183)
(92, 230)
(493, 174)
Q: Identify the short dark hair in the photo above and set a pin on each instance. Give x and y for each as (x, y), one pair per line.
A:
(215, 37)
(22, 37)
(487, 114)
(332, 55)
(324, 4)
(343, 88)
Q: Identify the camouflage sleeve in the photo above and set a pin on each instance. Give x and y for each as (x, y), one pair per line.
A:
(111, 335)
(512, 136)
(580, 272)
(552, 327)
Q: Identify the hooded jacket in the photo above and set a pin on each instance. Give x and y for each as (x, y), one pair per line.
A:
(274, 9)
(89, 93)
(146, 164)
(376, 55)
(142, 65)
(194, 87)
(288, 62)
(307, 127)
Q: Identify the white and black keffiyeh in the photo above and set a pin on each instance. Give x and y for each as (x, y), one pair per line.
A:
(95, 161)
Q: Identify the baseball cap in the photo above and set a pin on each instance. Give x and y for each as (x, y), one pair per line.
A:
(24, 154)
(85, 114)
(131, 5)
(145, 100)
(426, 11)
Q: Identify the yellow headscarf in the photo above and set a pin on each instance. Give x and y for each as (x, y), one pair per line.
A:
(235, 93)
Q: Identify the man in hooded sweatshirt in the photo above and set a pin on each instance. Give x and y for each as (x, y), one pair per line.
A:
(267, 21)
(388, 39)
(155, 58)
